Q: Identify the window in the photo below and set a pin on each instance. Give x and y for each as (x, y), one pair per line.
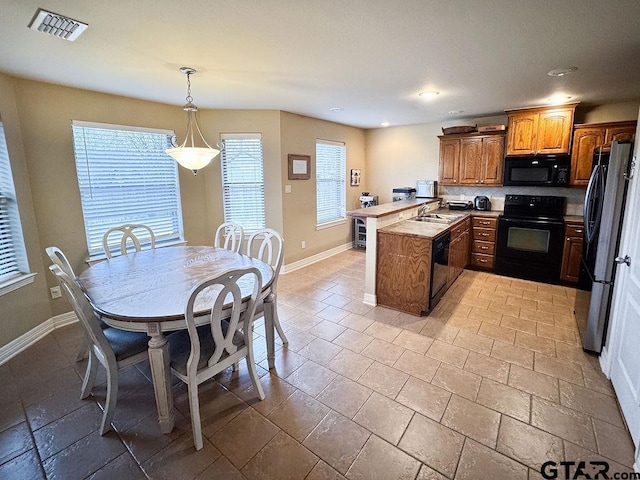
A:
(331, 167)
(243, 180)
(13, 258)
(125, 176)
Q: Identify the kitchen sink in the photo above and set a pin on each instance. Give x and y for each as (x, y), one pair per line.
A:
(438, 218)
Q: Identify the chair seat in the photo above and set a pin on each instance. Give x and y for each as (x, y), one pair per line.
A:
(126, 344)
(181, 346)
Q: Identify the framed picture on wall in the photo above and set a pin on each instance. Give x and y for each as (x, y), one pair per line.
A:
(355, 177)
(299, 167)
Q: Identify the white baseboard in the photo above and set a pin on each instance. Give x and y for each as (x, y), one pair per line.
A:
(24, 341)
(305, 262)
(605, 363)
(370, 299)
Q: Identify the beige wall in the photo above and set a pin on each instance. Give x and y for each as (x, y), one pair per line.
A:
(399, 156)
(299, 136)
(26, 307)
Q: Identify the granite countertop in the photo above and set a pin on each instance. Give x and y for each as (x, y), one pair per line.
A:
(390, 208)
(426, 229)
(573, 219)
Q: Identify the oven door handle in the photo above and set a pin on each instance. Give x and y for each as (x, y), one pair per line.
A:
(530, 221)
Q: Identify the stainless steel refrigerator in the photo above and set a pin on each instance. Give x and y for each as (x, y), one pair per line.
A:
(603, 213)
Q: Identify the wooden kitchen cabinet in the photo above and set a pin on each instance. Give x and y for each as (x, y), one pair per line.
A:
(573, 234)
(459, 249)
(449, 161)
(588, 138)
(472, 159)
(403, 279)
(542, 130)
(483, 242)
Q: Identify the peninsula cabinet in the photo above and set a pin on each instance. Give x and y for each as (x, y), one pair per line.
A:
(472, 159)
(459, 249)
(587, 140)
(541, 130)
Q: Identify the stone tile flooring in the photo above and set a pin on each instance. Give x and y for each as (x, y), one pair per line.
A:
(491, 385)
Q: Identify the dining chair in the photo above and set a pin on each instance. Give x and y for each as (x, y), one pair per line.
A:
(229, 235)
(127, 235)
(267, 245)
(58, 258)
(199, 353)
(112, 348)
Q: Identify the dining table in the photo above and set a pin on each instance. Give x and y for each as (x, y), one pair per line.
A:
(147, 291)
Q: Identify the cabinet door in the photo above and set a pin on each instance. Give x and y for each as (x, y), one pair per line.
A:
(571, 259)
(492, 160)
(554, 131)
(585, 143)
(449, 159)
(523, 130)
(620, 134)
(470, 160)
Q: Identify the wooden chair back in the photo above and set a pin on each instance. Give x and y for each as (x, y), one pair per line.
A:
(127, 236)
(58, 258)
(229, 235)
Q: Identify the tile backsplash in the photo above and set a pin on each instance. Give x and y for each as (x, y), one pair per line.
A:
(574, 196)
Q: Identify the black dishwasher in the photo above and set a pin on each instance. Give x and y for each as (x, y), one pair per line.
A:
(439, 268)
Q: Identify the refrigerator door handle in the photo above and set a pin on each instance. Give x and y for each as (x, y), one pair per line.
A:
(626, 260)
(591, 224)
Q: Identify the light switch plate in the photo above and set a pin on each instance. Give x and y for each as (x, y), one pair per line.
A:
(287, 189)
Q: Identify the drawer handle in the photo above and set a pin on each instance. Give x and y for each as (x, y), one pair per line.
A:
(484, 234)
(578, 230)
(482, 260)
(484, 248)
(485, 223)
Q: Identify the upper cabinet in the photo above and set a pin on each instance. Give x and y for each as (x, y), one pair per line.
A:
(587, 140)
(542, 130)
(471, 159)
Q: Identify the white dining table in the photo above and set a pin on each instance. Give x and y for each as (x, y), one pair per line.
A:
(147, 291)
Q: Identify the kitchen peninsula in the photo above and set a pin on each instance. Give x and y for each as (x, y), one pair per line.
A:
(376, 218)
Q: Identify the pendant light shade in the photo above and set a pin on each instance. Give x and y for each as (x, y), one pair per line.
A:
(188, 154)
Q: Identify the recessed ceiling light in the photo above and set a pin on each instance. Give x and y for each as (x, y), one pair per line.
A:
(455, 112)
(561, 72)
(429, 94)
(385, 124)
(336, 109)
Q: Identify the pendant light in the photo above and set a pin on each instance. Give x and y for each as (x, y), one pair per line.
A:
(189, 156)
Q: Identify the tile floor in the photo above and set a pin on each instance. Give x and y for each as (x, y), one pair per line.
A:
(490, 386)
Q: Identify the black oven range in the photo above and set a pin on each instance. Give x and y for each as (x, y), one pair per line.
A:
(530, 238)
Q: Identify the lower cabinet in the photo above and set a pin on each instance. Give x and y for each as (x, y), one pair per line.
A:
(573, 234)
(484, 242)
(459, 249)
(403, 278)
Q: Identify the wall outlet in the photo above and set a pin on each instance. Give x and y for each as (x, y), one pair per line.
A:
(287, 189)
(55, 292)
(303, 244)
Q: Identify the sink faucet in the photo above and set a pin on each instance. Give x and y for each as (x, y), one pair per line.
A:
(423, 210)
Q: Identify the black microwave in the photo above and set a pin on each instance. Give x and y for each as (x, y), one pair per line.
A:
(551, 171)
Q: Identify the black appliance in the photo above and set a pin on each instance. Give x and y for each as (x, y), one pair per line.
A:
(548, 171)
(603, 212)
(482, 203)
(439, 268)
(530, 238)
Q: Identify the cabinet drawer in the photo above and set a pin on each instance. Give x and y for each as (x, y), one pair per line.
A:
(481, 260)
(573, 230)
(484, 234)
(487, 248)
(484, 222)
(458, 230)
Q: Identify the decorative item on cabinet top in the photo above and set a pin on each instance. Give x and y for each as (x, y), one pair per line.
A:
(459, 129)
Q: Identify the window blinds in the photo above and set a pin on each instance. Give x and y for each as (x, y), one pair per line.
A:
(243, 180)
(12, 252)
(125, 176)
(331, 167)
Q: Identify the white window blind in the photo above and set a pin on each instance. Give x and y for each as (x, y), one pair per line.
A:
(13, 259)
(243, 180)
(331, 167)
(125, 176)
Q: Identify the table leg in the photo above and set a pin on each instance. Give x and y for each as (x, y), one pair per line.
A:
(269, 313)
(161, 375)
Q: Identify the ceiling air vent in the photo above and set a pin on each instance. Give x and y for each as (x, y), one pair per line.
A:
(57, 25)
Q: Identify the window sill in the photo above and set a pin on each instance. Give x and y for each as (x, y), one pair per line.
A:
(169, 243)
(333, 223)
(16, 282)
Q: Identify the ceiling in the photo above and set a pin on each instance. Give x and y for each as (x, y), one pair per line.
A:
(369, 58)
